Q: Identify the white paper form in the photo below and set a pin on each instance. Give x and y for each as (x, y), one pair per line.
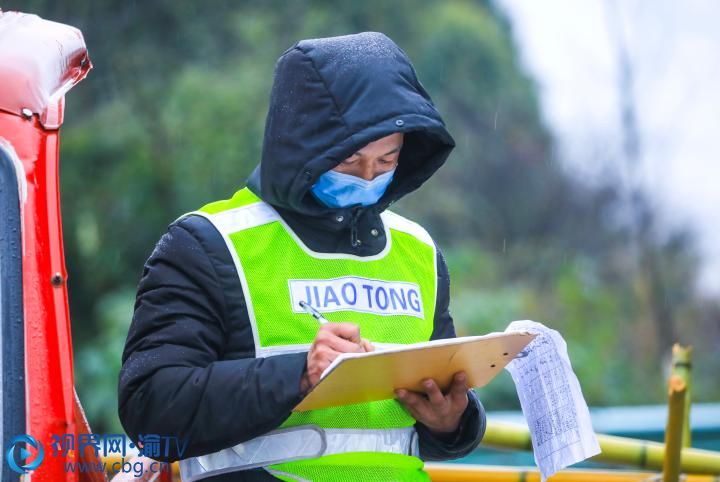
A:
(551, 400)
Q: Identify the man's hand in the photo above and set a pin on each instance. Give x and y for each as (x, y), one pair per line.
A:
(439, 412)
(331, 340)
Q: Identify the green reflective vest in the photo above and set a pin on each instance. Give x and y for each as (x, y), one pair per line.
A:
(391, 296)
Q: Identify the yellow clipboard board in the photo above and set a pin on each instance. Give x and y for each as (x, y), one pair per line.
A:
(366, 377)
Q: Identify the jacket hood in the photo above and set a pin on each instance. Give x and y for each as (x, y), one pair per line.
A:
(331, 97)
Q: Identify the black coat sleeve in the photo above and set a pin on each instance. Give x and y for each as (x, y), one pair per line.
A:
(472, 423)
(175, 380)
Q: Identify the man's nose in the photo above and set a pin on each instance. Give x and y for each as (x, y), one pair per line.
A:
(367, 172)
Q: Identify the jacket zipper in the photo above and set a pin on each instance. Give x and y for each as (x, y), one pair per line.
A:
(354, 215)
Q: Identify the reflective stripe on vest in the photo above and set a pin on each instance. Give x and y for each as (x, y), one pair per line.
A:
(297, 443)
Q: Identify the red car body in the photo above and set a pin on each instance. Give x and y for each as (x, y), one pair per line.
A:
(39, 62)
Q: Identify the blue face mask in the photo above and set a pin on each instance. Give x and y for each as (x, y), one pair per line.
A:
(338, 190)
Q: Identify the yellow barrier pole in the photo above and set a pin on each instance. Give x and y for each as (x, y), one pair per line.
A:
(444, 472)
(682, 368)
(616, 450)
(674, 430)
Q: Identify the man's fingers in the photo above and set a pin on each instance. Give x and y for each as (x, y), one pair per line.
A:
(411, 400)
(340, 344)
(323, 354)
(459, 386)
(349, 331)
(433, 392)
(367, 345)
(458, 394)
(417, 404)
(438, 411)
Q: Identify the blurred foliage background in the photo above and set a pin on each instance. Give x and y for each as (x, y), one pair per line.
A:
(172, 117)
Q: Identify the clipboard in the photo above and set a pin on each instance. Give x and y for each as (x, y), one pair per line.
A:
(366, 377)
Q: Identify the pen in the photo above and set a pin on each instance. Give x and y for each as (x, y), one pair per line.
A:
(315, 313)
(318, 316)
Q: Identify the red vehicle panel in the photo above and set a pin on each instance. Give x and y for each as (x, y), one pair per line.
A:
(39, 62)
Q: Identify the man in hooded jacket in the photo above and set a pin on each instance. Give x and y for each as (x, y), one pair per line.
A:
(218, 353)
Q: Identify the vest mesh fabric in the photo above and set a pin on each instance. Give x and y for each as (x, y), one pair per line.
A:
(355, 467)
(270, 257)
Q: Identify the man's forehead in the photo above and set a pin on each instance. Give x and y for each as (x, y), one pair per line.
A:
(388, 145)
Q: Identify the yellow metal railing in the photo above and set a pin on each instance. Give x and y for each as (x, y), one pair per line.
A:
(485, 473)
(641, 454)
(682, 368)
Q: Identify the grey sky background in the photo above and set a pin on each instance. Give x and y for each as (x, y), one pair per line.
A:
(570, 48)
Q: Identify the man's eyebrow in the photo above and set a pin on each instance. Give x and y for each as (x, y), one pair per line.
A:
(358, 153)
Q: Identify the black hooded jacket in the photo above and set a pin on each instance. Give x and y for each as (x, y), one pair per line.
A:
(189, 368)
